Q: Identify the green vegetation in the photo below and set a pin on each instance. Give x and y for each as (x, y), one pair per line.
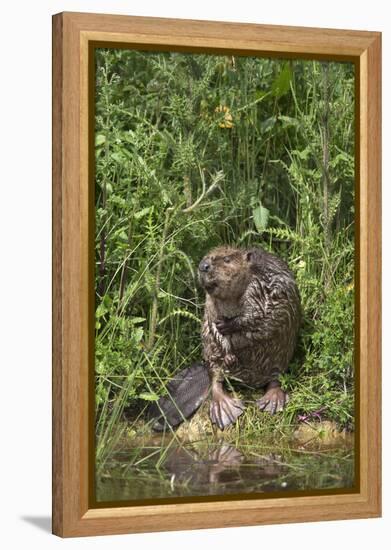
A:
(193, 151)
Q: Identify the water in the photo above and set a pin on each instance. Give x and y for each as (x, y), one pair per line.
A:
(199, 469)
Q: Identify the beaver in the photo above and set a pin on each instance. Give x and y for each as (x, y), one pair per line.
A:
(250, 328)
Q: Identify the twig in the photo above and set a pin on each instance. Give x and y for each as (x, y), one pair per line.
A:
(205, 192)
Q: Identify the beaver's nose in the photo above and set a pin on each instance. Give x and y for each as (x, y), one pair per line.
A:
(204, 266)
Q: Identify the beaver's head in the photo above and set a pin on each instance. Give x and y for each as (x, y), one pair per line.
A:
(225, 272)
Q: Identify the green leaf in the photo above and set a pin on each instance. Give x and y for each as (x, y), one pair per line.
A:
(123, 236)
(125, 153)
(142, 213)
(136, 320)
(103, 307)
(282, 83)
(261, 217)
(118, 157)
(99, 140)
(137, 335)
(148, 396)
(303, 155)
(100, 311)
(288, 121)
(268, 124)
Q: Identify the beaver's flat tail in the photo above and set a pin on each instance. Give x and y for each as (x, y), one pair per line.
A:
(185, 394)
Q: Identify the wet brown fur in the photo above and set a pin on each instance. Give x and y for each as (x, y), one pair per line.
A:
(252, 315)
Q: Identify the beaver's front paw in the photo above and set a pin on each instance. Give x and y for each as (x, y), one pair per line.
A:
(227, 325)
(230, 360)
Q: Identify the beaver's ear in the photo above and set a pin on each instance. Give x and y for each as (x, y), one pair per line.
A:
(248, 256)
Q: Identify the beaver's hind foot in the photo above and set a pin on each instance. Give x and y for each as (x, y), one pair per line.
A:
(224, 409)
(274, 399)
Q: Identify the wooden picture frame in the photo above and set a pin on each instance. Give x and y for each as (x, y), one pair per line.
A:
(74, 34)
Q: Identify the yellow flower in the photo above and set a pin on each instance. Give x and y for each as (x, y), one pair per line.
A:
(227, 121)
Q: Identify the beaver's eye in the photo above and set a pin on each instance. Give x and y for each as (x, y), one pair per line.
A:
(227, 259)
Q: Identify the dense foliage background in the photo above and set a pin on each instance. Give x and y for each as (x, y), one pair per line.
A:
(193, 151)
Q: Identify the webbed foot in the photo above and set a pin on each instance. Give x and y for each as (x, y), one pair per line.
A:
(224, 409)
(274, 400)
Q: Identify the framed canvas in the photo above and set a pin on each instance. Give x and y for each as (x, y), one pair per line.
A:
(194, 164)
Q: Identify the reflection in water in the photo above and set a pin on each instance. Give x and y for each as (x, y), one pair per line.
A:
(176, 470)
